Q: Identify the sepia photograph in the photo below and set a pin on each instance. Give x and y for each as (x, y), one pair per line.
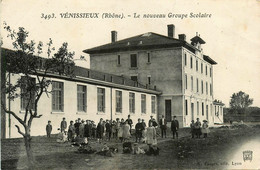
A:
(94, 84)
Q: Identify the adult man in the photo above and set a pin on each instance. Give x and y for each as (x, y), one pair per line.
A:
(130, 122)
(154, 123)
(175, 127)
(163, 125)
(138, 130)
(63, 125)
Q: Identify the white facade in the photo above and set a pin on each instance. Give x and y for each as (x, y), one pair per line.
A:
(70, 110)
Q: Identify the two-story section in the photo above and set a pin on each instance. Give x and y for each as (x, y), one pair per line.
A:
(158, 61)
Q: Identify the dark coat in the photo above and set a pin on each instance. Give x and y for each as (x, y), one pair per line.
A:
(77, 127)
(163, 125)
(100, 128)
(108, 127)
(87, 130)
(175, 125)
(48, 128)
(139, 127)
(63, 125)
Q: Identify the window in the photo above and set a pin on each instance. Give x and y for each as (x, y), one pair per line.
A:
(207, 88)
(191, 83)
(197, 85)
(201, 68)
(27, 97)
(82, 98)
(133, 58)
(134, 78)
(118, 60)
(210, 72)
(186, 82)
(210, 90)
(149, 80)
(201, 86)
(143, 103)
(197, 66)
(191, 63)
(186, 107)
(57, 96)
(118, 101)
(101, 99)
(185, 59)
(198, 108)
(206, 70)
(153, 104)
(131, 102)
(148, 58)
(202, 108)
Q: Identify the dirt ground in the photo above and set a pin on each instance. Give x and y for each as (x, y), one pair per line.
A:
(215, 152)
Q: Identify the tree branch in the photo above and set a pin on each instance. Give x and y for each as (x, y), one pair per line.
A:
(19, 131)
(12, 113)
(38, 116)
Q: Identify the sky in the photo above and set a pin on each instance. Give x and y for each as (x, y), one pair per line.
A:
(232, 34)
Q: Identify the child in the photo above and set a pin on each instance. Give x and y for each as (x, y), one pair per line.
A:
(192, 128)
(71, 131)
(48, 129)
(205, 128)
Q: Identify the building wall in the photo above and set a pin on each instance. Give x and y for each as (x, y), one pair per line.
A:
(193, 91)
(70, 107)
(164, 68)
(168, 72)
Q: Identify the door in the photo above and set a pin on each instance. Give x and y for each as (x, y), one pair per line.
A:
(168, 110)
(192, 111)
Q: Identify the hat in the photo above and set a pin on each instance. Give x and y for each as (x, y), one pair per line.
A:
(151, 116)
(205, 121)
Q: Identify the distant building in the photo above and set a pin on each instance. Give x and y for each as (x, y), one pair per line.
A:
(180, 70)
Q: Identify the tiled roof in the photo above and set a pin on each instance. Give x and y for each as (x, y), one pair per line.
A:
(143, 41)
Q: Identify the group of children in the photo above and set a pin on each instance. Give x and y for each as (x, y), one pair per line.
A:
(198, 130)
(104, 130)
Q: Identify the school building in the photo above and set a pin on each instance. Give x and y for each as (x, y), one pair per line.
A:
(89, 95)
(144, 75)
(176, 67)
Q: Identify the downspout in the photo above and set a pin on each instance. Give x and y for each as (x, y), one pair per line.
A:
(111, 104)
(9, 106)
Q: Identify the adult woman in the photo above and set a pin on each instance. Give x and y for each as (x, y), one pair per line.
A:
(120, 130)
(126, 130)
(205, 128)
(151, 135)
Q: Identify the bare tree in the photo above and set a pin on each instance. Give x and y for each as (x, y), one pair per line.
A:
(25, 60)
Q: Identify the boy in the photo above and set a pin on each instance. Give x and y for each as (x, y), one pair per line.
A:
(49, 129)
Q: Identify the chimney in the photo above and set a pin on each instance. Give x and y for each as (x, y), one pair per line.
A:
(171, 30)
(113, 36)
(182, 37)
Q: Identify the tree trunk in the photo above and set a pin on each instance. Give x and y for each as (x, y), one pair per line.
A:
(27, 142)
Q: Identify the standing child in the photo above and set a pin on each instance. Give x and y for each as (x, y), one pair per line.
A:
(205, 128)
(48, 129)
(192, 128)
(71, 131)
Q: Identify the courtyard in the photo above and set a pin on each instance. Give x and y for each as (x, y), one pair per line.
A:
(222, 149)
